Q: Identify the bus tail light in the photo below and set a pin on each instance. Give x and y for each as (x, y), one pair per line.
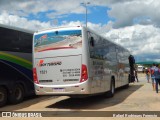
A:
(35, 78)
(84, 73)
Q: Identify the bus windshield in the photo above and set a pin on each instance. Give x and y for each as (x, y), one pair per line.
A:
(58, 40)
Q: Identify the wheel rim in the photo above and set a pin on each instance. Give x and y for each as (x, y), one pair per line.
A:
(18, 93)
(112, 88)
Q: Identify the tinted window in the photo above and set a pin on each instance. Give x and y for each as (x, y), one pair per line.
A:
(25, 42)
(16, 41)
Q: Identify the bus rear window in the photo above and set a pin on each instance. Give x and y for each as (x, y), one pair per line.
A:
(58, 40)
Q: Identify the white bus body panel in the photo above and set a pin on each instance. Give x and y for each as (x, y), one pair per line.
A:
(59, 70)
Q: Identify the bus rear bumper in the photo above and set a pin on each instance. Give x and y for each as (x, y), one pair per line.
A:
(61, 90)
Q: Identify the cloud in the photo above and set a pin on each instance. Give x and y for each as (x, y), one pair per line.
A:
(22, 22)
(100, 28)
(127, 13)
(36, 6)
(142, 40)
(124, 12)
(54, 8)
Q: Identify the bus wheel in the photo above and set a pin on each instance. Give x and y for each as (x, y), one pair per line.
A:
(3, 96)
(112, 89)
(110, 93)
(17, 94)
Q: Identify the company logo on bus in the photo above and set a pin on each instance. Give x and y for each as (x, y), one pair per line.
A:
(54, 63)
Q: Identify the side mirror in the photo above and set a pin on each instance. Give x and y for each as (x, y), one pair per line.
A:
(92, 41)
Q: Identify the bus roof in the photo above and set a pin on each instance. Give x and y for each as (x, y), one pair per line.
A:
(16, 28)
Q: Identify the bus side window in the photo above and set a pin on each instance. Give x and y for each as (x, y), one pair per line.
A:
(92, 41)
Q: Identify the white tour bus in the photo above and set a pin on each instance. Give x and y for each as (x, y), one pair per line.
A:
(76, 61)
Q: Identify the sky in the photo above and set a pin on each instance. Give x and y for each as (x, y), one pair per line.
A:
(134, 24)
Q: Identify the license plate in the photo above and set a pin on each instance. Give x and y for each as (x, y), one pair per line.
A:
(58, 89)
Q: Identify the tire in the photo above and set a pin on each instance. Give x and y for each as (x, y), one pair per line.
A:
(17, 94)
(111, 92)
(3, 96)
(112, 89)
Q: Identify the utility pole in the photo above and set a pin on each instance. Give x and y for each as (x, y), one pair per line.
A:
(85, 4)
